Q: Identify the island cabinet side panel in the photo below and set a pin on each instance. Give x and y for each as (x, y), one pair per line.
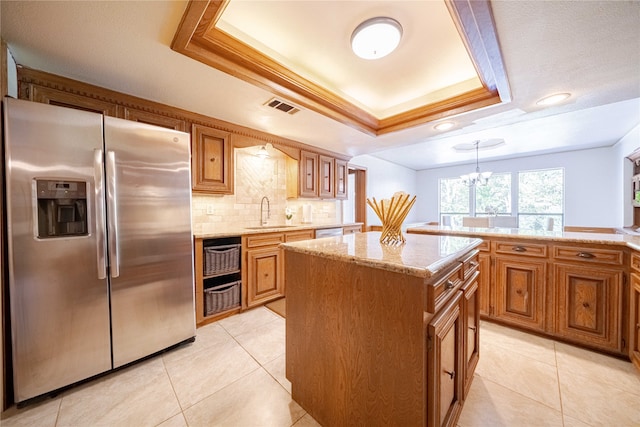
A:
(355, 342)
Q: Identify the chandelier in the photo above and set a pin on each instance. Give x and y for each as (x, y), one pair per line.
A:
(477, 177)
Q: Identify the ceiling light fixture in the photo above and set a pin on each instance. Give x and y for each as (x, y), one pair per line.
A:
(553, 99)
(444, 126)
(376, 37)
(476, 178)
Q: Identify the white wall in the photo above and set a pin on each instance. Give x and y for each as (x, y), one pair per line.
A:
(383, 180)
(592, 184)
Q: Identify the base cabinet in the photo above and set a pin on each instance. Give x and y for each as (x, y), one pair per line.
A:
(589, 305)
(485, 287)
(265, 275)
(471, 328)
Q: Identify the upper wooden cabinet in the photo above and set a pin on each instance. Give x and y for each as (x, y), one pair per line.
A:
(342, 175)
(154, 119)
(327, 176)
(308, 174)
(211, 160)
(51, 96)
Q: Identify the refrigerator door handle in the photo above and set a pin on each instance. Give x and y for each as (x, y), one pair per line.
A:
(100, 221)
(112, 214)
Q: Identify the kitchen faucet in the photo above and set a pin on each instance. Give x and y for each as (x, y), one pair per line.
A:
(262, 220)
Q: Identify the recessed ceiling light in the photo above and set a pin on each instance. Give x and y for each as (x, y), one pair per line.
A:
(553, 99)
(376, 37)
(444, 126)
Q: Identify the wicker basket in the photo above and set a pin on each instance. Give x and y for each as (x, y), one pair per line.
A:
(221, 298)
(221, 259)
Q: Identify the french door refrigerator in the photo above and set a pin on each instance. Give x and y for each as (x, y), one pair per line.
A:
(99, 243)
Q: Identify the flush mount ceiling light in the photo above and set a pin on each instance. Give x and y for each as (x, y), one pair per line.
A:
(376, 37)
(444, 126)
(553, 99)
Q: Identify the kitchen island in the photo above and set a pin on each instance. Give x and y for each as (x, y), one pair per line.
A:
(382, 335)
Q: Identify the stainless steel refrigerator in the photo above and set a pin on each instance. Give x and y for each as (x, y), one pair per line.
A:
(99, 243)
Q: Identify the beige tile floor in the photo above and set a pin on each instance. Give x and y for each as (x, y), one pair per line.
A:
(233, 375)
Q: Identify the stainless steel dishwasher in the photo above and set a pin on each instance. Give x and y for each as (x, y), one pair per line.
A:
(328, 232)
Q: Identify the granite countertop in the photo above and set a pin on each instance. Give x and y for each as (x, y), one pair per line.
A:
(422, 256)
(522, 233)
(242, 231)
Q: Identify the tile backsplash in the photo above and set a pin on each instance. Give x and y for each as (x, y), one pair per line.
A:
(254, 179)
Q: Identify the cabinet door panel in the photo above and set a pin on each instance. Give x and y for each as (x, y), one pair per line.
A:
(327, 176)
(520, 292)
(70, 100)
(634, 325)
(264, 275)
(589, 304)
(445, 360)
(471, 330)
(308, 174)
(154, 119)
(342, 178)
(211, 160)
(484, 284)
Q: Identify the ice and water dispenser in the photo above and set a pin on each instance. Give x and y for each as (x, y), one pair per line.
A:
(62, 208)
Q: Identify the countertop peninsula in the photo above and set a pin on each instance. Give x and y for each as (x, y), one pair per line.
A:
(523, 233)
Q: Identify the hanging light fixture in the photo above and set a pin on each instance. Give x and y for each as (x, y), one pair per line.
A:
(376, 37)
(263, 153)
(477, 177)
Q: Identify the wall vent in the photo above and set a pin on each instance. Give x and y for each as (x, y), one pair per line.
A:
(282, 106)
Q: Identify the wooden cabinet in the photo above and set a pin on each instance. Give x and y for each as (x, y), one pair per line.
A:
(327, 176)
(211, 160)
(342, 179)
(263, 274)
(520, 291)
(485, 287)
(216, 284)
(589, 305)
(471, 328)
(350, 229)
(308, 174)
(154, 119)
(71, 100)
(445, 364)
(634, 319)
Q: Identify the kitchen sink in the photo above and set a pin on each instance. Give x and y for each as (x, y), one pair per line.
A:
(263, 227)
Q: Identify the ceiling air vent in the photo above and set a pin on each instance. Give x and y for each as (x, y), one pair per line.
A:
(282, 106)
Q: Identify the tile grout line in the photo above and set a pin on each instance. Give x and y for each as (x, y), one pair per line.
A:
(555, 357)
(175, 394)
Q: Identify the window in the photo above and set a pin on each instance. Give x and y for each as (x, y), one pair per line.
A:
(495, 197)
(539, 196)
(540, 199)
(454, 200)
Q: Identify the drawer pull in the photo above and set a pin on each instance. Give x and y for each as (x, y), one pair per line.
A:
(519, 249)
(473, 328)
(451, 374)
(587, 255)
(449, 284)
(473, 264)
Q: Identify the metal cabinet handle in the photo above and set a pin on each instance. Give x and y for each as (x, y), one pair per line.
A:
(473, 328)
(473, 264)
(519, 249)
(587, 255)
(449, 284)
(451, 374)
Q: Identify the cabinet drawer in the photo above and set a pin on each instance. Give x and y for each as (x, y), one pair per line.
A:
(484, 246)
(439, 292)
(516, 248)
(350, 229)
(259, 240)
(590, 255)
(470, 265)
(635, 261)
(295, 236)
